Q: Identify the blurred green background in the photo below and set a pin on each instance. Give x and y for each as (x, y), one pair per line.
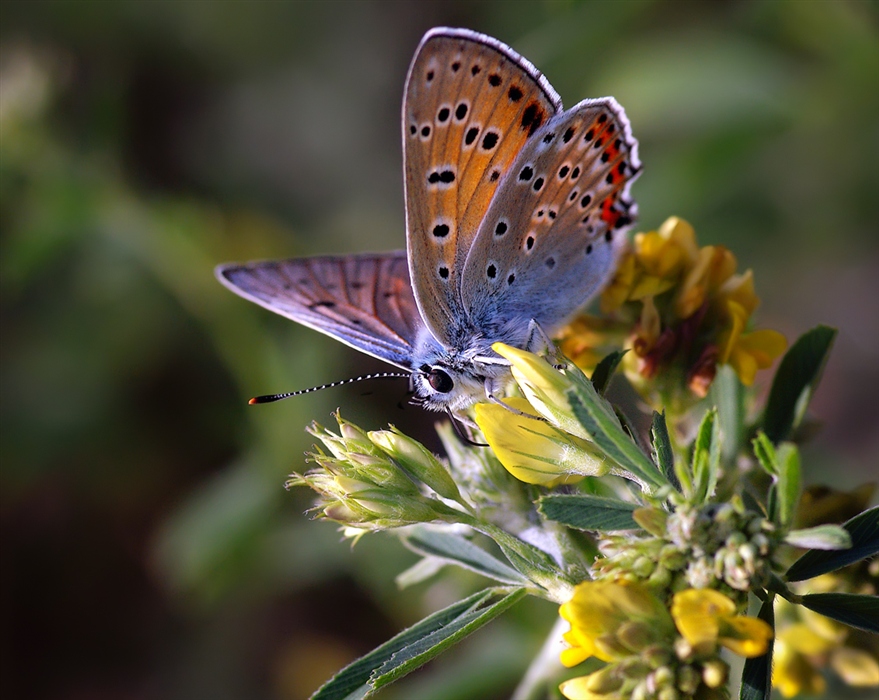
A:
(149, 549)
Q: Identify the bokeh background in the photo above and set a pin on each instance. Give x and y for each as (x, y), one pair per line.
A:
(149, 549)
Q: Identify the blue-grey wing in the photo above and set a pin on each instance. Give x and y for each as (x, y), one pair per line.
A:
(553, 233)
(364, 301)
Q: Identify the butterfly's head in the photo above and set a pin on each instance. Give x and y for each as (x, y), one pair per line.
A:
(442, 387)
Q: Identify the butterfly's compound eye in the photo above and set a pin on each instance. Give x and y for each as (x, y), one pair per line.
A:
(440, 381)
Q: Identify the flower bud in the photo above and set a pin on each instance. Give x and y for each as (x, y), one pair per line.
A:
(417, 460)
(544, 387)
(534, 451)
(653, 520)
(714, 673)
(636, 635)
(604, 681)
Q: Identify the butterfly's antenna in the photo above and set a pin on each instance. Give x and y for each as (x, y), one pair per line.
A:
(269, 398)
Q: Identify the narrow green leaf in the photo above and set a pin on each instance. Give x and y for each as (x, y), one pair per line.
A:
(861, 611)
(706, 457)
(824, 537)
(798, 375)
(728, 395)
(352, 682)
(422, 650)
(585, 512)
(604, 370)
(757, 672)
(764, 450)
(421, 571)
(597, 417)
(864, 532)
(663, 454)
(458, 550)
(789, 483)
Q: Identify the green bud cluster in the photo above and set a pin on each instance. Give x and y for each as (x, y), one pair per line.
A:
(656, 673)
(722, 546)
(377, 480)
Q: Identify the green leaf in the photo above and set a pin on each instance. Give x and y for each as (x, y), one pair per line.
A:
(788, 484)
(757, 672)
(783, 465)
(585, 512)
(728, 396)
(597, 417)
(864, 532)
(706, 457)
(604, 370)
(462, 552)
(824, 537)
(353, 681)
(861, 611)
(663, 454)
(764, 450)
(422, 650)
(798, 375)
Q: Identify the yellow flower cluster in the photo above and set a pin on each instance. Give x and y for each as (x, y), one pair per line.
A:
(687, 308)
(627, 626)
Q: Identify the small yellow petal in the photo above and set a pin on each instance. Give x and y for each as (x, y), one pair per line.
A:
(531, 449)
(617, 290)
(740, 289)
(792, 673)
(728, 339)
(856, 667)
(650, 286)
(745, 636)
(764, 346)
(697, 614)
(575, 656)
(805, 640)
(578, 689)
(682, 235)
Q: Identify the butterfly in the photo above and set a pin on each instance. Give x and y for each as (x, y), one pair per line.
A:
(516, 212)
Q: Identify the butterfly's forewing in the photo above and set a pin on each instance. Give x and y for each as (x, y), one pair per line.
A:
(363, 300)
(554, 229)
(471, 105)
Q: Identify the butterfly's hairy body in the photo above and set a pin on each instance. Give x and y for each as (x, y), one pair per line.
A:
(466, 365)
(515, 217)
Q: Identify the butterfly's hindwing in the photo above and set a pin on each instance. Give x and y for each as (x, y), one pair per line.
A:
(471, 105)
(555, 226)
(365, 301)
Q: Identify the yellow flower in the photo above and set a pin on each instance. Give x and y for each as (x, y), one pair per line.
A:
(748, 352)
(544, 387)
(617, 291)
(714, 266)
(740, 289)
(606, 617)
(693, 314)
(792, 673)
(649, 328)
(534, 451)
(653, 266)
(808, 642)
(706, 617)
(662, 256)
(856, 667)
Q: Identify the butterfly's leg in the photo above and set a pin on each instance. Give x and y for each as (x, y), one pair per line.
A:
(539, 341)
(464, 428)
(491, 396)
